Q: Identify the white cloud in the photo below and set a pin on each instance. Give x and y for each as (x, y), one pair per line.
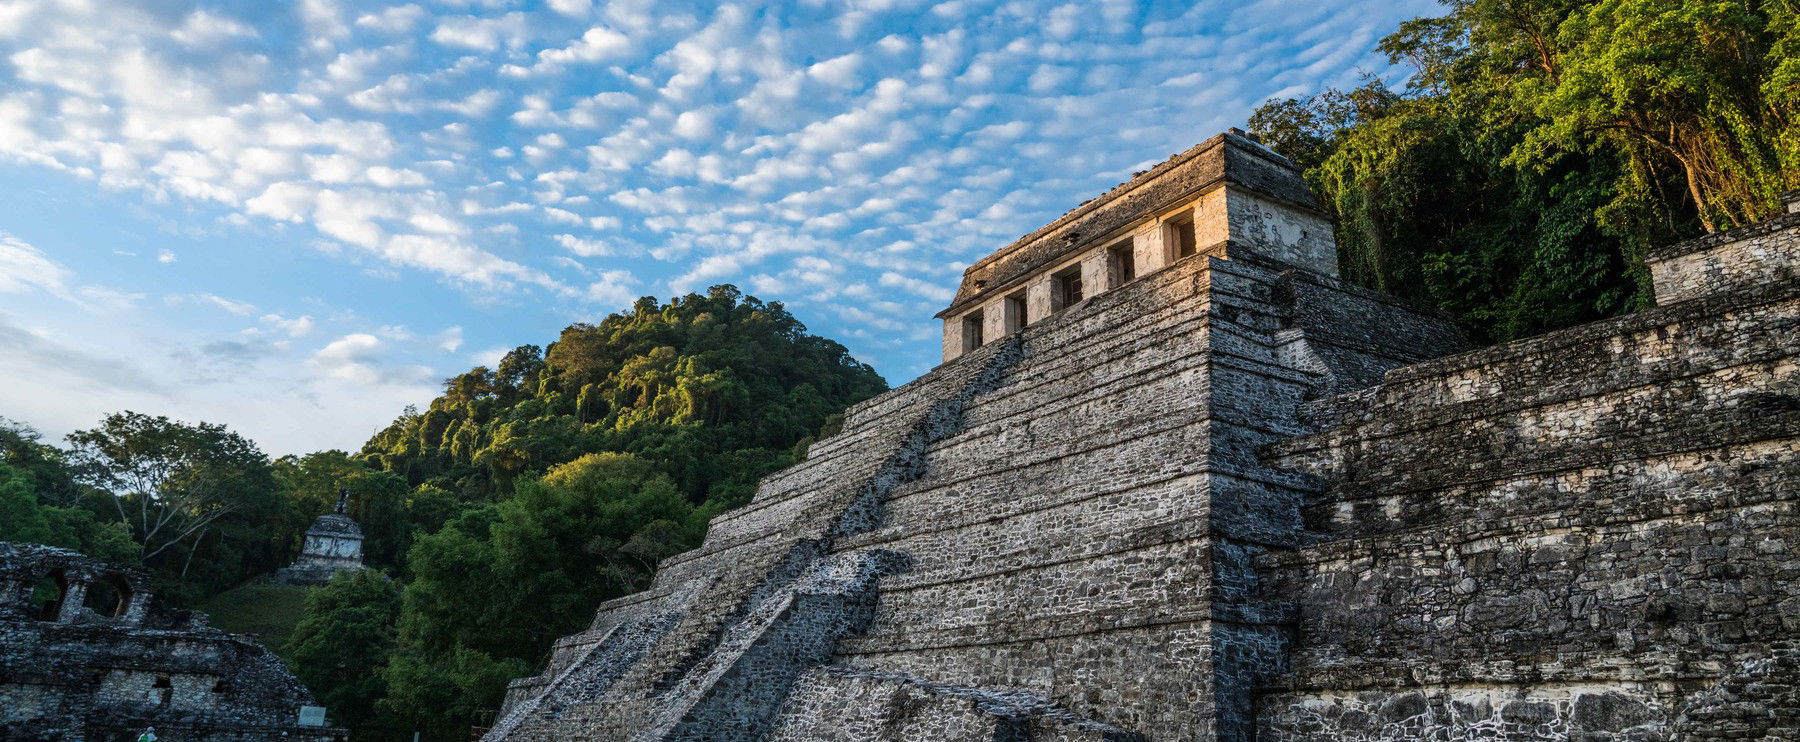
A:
(351, 358)
(482, 34)
(165, 256)
(491, 357)
(240, 308)
(584, 248)
(842, 72)
(613, 290)
(203, 29)
(295, 327)
(450, 339)
(24, 268)
(397, 19)
(571, 8)
(694, 125)
(596, 44)
(938, 291)
(324, 23)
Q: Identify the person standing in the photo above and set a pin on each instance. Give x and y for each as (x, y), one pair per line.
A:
(149, 735)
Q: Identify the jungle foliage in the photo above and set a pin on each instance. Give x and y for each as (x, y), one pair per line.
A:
(559, 478)
(711, 390)
(1539, 147)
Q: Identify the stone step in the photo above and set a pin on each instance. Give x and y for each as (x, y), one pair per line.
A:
(736, 691)
(840, 704)
(1438, 448)
(587, 676)
(1639, 348)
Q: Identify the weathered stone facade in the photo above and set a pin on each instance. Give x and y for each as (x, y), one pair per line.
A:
(1225, 496)
(78, 668)
(333, 544)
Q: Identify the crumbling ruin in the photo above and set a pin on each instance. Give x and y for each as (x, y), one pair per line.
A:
(87, 654)
(333, 544)
(1176, 481)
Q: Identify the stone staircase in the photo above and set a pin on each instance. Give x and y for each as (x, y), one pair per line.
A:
(727, 631)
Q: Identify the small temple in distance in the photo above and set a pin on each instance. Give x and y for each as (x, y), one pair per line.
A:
(333, 544)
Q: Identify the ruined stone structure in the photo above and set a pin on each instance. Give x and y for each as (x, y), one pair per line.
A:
(1176, 481)
(101, 660)
(333, 544)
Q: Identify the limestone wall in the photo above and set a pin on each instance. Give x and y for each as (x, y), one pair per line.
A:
(1586, 535)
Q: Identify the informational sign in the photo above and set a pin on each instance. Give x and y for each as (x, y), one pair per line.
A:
(312, 716)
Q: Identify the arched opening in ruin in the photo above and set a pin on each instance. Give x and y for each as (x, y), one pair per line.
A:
(108, 596)
(47, 595)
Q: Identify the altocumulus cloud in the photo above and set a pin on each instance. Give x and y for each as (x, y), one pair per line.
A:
(847, 157)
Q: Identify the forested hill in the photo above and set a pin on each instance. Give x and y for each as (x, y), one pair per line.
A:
(713, 390)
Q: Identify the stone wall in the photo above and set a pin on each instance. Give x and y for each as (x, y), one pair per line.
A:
(1585, 535)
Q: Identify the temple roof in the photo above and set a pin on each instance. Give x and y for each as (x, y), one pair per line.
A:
(1230, 157)
(332, 524)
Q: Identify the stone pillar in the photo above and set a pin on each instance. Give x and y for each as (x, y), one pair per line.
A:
(138, 608)
(13, 597)
(1148, 249)
(71, 601)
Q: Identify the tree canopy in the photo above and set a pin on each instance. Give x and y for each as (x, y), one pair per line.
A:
(1539, 147)
(711, 390)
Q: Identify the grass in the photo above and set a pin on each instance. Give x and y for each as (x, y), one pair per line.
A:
(269, 612)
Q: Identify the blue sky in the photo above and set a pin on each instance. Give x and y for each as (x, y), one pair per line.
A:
(297, 217)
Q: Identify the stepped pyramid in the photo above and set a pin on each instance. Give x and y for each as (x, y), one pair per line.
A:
(1176, 481)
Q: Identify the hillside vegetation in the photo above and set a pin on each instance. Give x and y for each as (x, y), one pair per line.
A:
(714, 391)
(504, 512)
(558, 479)
(1538, 147)
(267, 612)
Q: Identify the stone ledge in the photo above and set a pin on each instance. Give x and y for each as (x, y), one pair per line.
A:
(1386, 405)
(1705, 478)
(1666, 428)
(1559, 667)
(1018, 632)
(1449, 538)
(1551, 342)
(1717, 239)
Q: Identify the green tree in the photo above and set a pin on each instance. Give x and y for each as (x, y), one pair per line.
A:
(195, 498)
(714, 390)
(26, 519)
(52, 478)
(496, 586)
(1542, 146)
(341, 645)
(1667, 84)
